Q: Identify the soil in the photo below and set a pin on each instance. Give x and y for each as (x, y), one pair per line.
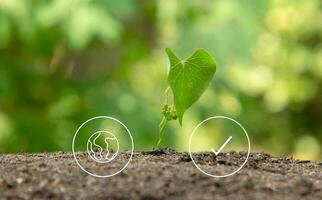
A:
(159, 174)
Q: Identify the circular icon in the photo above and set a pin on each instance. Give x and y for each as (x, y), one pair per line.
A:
(214, 136)
(106, 153)
(102, 138)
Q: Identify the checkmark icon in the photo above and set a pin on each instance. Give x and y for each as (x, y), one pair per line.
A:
(222, 146)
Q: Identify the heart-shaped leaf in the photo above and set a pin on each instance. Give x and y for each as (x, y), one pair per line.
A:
(189, 78)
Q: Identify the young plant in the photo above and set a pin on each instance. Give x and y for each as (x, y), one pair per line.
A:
(187, 79)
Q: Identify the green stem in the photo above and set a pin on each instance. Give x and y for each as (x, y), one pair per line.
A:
(162, 125)
(164, 120)
(166, 95)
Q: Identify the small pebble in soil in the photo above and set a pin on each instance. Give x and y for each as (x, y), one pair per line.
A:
(19, 180)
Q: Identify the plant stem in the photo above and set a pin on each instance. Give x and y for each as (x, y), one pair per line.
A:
(166, 95)
(162, 125)
(164, 120)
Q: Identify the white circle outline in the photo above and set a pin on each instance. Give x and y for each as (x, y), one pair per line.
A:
(102, 117)
(219, 117)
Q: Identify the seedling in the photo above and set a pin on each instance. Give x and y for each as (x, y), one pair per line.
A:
(187, 79)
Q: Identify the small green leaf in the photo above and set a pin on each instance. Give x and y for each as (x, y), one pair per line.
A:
(189, 78)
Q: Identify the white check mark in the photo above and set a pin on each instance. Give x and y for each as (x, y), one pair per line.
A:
(222, 146)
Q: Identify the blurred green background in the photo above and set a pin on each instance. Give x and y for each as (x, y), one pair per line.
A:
(65, 61)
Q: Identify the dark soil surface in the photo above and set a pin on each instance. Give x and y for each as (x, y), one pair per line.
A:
(161, 174)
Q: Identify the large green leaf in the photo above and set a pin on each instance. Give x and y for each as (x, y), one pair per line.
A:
(189, 78)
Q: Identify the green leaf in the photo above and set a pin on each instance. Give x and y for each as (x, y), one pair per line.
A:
(189, 78)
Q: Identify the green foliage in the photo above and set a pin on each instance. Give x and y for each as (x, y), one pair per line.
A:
(62, 62)
(188, 79)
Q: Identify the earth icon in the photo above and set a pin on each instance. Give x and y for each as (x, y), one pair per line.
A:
(102, 146)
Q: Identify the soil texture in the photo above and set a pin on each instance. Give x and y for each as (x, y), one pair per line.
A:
(159, 174)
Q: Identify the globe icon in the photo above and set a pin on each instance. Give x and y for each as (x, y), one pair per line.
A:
(102, 146)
